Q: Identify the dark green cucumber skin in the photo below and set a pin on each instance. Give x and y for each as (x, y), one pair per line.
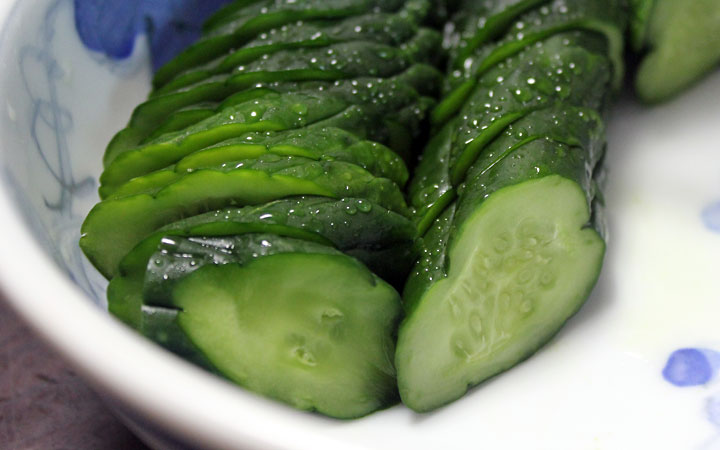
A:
(342, 61)
(252, 22)
(495, 16)
(176, 257)
(606, 18)
(381, 239)
(363, 104)
(502, 97)
(382, 28)
(160, 326)
(195, 83)
(563, 141)
(116, 225)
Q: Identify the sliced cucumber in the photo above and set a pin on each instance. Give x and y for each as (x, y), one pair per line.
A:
(116, 225)
(382, 28)
(315, 331)
(683, 38)
(520, 266)
(381, 239)
(250, 23)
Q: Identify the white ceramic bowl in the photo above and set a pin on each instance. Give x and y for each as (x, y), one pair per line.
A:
(613, 379)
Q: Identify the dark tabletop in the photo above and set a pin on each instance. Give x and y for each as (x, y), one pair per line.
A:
(44, 404)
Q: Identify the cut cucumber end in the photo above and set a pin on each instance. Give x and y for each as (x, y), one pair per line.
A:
(518, 269)
(315, 331)
(685, 44)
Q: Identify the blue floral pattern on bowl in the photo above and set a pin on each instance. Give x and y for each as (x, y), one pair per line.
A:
(112, 26)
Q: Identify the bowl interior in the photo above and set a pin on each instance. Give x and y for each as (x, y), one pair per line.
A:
(63, 101)
(68, 84)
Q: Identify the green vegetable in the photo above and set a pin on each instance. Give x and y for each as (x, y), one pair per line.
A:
(304, 338)
(248, 23)
(116, 225)
(287, 326)
(565, 68)
(382, 28)
(607, 18)
(275, 111)
(682, 41)
(504, 191)
(381, 239)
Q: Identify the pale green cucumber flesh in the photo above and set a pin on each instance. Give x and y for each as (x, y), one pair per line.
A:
(519, 267)
(314, 331)
(684, 40)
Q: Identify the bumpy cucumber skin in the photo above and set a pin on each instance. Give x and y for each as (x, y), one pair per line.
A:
(314, 119)
(563, 141)
(362, 106)
(528, 107)
(503, 97)
(381, 239)
(115, 226)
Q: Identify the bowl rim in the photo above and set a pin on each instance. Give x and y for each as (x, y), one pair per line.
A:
(156, 388)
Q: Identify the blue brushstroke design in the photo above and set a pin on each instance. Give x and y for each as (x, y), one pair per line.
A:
(712, 409)
(711, 217)
(691, 367)
(111, 26)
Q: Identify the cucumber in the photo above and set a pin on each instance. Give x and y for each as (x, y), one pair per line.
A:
(481, 22)
(381, 239)
(265, 17)
(382, 28)
(508, 264)
(505, 193)
(315, 142)
(325, 341)
(604, 18)
(682, 40)
(160, 325)
(274, 112)
(520, 267)
(561, 68)
(336, 62)
(321, 140)
(116, 225)
(312, 330)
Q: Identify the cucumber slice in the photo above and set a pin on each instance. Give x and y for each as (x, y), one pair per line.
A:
(175, 258)
(114, 226)
(521, 265)
(374, 98)
(252, 22)
(381, 239)
(318, 143)
(684, 44)
(335, 177)
(558, 71)
(160, 325)
(481, 22)
(273, 112)
(607, 19)
(314, 331)
(381, 28)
